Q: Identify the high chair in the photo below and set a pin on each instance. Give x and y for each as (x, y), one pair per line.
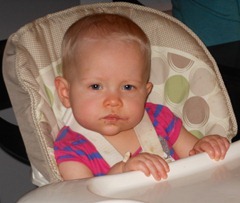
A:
(185, 77)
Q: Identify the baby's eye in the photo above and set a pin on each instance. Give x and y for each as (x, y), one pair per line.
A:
(128, 87)
(96, 87)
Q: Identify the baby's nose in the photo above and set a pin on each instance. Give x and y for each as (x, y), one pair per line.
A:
(113, 100)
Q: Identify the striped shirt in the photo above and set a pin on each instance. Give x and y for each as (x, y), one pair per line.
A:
(72, 146)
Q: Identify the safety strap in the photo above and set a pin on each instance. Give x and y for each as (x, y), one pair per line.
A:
(148, 137)
(145, 132)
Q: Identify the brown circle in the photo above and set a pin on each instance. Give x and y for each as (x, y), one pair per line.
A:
(196, 111)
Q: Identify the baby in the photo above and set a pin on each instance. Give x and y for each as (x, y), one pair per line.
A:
(106, 62)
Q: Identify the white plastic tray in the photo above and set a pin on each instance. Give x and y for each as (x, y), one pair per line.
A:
(195, 179)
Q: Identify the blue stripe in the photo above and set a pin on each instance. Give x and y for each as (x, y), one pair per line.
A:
(79, 142)
(155, 123)
(80, 152)
(170, 126)
(158, 110)
(91, 156)
(171, 152)
(68, 149)
(63, 134)
(55, 148)
(67, 156)
(100, 174)
(94, 155)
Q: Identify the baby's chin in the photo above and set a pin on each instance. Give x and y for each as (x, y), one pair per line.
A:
(109, 133)
(113, 131)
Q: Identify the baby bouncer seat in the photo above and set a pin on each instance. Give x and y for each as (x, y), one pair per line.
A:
(185, 77)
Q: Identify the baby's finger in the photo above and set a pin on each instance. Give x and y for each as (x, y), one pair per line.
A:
(155, 169)
(162, 168)
(219, 146)
(205, 147)
(157, 166)
(218, 150)
(224, 146)
(192, 152)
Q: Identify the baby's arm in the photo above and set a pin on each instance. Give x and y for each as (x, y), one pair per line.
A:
(149, 164)
(214, 145)
(71, 170)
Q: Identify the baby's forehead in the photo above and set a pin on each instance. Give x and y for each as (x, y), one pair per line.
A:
(87, 44)
(104, 44)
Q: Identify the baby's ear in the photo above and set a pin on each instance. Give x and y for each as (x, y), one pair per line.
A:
(62, 87)
(149, 87)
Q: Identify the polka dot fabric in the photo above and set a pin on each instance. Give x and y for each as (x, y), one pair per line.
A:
(190, 89)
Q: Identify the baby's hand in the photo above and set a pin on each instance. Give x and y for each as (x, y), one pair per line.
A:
(216, 146)
(149, 164)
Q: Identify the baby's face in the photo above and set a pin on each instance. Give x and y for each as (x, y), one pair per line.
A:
(109, 88)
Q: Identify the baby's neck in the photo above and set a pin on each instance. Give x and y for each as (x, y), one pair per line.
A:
(125, 141)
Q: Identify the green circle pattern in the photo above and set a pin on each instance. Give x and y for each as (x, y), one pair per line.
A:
(177, 89)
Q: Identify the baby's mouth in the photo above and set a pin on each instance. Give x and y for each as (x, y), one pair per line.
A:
(113, 118)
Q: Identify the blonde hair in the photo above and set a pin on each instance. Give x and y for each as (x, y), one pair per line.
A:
(98, 27)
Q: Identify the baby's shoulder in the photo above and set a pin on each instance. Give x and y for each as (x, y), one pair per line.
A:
(157, 110)
(66, 134)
